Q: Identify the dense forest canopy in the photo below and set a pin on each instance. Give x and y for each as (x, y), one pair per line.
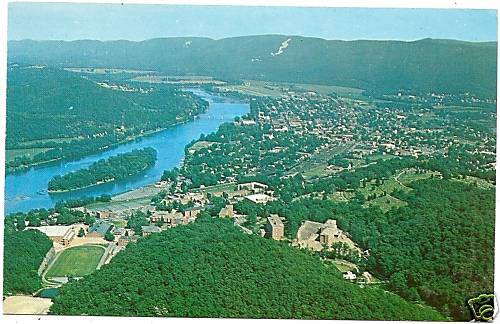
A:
(114, 168)
(439, 248)
(211, 269)
(427, 64)
(23, 254)
(63, 115)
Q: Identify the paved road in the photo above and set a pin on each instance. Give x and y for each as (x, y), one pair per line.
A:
(104, 257)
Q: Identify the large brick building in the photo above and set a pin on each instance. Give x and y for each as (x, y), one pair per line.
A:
(275, 227)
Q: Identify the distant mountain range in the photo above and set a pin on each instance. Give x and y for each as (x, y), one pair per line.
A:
(426, 65)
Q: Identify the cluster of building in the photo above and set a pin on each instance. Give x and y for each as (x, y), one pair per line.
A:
(319, 236)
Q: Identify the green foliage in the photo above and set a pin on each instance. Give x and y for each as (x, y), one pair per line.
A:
(439, 248)
(80, 202)
(427, 64)
(73, 117)
(136, 221)
(211, 269)
(23, 254)
(114, 168)
(81, 232)
(109, 236)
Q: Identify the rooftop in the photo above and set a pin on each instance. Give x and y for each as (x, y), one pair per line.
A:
(53, 230)
(330, 231)
(151, 229)
(259, 198)
(100, 227)
(275, 220)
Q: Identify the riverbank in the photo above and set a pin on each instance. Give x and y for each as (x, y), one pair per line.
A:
(80, 188)
(25, 167)
(25, 191)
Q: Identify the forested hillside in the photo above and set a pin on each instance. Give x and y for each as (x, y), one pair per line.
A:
(426, 65)
(439, 248)
(23, 254)
(62, 115)
(211, 269)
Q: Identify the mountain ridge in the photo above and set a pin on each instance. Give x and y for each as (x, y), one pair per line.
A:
(423, 65)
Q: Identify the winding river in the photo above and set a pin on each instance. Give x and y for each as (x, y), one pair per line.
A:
(28, 189)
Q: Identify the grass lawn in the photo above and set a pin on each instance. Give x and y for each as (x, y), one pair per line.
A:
(410, 175)
(343, 266)
(481, 183)
(119, 223)
(341, 196)
(318, 171)
(78, 261)
(387, 202)
(388, 186)
(201, 145)
(10, 155)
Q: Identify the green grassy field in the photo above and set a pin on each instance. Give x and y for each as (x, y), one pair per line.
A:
(78, 261)
(386, 203)
(410, 175)
(10, 155)
(481, 183)
(318, 171)
(200, 145)
(119, 223)
(343, 266)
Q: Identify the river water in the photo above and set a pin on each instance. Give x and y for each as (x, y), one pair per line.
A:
(28, 189)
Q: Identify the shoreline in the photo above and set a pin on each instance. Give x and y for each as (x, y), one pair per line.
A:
(80, 188)
(99, 182)
(150, 186)
(26, 167)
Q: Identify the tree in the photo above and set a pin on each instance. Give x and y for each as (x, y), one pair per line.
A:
(109, 236)
(81, 232)
(89, 220)
(21, 225)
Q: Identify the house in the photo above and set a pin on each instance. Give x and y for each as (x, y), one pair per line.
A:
(247, 122)
(170, 219)
(275, 227)
(254, 187)
(105, 214)
(227, 211)
(259, 198)
(330, 232)
(125, 240)
(58, 234)
(119, 231)
(99, 229)
(193, 211)
(150, 229)
(349, 275)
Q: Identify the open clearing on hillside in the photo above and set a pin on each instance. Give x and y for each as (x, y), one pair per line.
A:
(26, 305)
(77, 262)
(10, 155)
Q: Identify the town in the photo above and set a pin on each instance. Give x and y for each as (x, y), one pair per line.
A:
(237, 171)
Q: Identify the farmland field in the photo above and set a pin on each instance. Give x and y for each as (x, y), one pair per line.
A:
(10, 155)
(78, 261)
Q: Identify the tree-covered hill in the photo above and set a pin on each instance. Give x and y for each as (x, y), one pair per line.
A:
(439, 248)
(211, 269)
(427, 64)
(66, 116)
(23, 254)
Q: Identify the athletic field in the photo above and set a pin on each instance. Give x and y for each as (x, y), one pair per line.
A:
(77, 262)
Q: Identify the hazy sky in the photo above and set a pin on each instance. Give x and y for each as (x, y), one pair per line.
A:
(139, 22)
